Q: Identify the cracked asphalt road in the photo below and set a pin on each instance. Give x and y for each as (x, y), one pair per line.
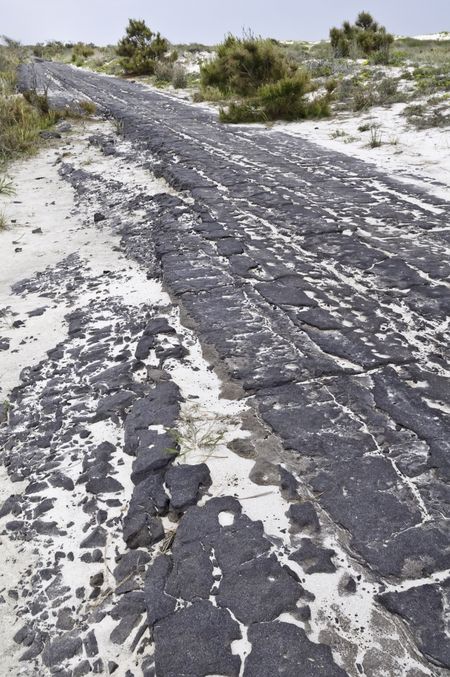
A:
(321, 287)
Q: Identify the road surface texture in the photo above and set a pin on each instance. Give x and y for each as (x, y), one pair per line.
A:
(318, 288)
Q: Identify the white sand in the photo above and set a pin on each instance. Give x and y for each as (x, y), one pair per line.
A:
(411, 155)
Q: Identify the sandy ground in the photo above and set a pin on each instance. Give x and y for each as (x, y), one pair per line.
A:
(414, 156)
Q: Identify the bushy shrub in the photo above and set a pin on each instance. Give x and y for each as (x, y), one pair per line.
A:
(163, 72)
(81, 51)
(285, 99)
(141, 49)
(39, 101)
(242, 112)
(208, 94)
(20, 124)
(282, 100)
(49, 50)
(88, 107)
(433, 113)
(242, 65)
(387, 89)
(179, 77)
(362, 98)
(365, 37)
(331, 85)
(21, 119)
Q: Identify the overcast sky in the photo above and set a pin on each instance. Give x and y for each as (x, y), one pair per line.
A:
(103, 21)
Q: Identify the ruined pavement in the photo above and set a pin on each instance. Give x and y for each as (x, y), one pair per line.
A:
(286, 513)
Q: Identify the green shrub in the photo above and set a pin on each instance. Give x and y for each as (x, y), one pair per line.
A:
(179, 77)
(212, 94)
(49, 50)
(39, 101)
(363, 98)
(387, 90)
(242, 112)
(88, 107)
(21, 117)
(163, 72)
(331, 85)
(282, 100)
(425, 116)
(82, 51)
(364, 38)
(242, 65)
(285, 99)
(20, 124)
(141, 49)
(431, 79)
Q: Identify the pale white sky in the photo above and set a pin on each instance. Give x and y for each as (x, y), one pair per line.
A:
(103, 21)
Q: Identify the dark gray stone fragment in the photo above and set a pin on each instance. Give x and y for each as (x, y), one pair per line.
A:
(288, 290)
(192, 573)
(150, 496)
(124, 628)
(62, 481)
(423, 610)
(196, 641)
(44, 506)
(129, 604)
(303, 516)
(259, 590)
(83, 668)
(142, 530)
(228, 246)
(131, 563)
(14, 525)
(61, 649)
(160, 407)
(48, 134)
(65, 620)
(11, 505)
(155, 451)
(158, 325)
(4, 345)
(144, 346)
(103, 485)
(96, 580)
(314, 559)
(114, 404)
(96, 539)
(366, 498)
(288, 484)
(159, 604)
(186, 483)
(284, 649)
(240, 542)
(35, 649)
(90, 644)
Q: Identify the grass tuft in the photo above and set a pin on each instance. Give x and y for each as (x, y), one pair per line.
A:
(88, 107)
(6, 186)
(375, 140)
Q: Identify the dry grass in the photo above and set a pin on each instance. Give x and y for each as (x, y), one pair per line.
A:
(20, 124)
(3, 221)
(6, 186)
